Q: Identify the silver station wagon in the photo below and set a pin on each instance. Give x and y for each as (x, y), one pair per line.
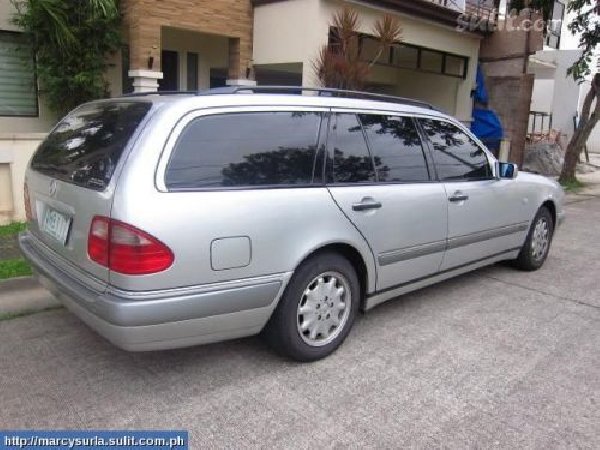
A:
(165, 221)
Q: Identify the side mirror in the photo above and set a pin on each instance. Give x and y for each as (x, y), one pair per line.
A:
(508, 170)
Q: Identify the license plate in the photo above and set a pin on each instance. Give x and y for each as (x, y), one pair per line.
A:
(56, 224)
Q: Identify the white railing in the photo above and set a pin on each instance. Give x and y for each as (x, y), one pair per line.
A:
(480, 8)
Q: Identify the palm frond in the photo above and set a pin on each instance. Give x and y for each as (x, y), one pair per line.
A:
(340, 64)
(53, 15)
(388, 30)
(103, 8)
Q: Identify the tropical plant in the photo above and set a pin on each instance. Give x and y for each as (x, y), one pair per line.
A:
(71, 41)
(587, 24)
(342, 64)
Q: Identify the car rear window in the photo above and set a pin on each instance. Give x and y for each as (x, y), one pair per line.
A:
(86, 146)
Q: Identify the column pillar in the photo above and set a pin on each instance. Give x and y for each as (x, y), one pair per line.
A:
(145, 80)
(237, 75)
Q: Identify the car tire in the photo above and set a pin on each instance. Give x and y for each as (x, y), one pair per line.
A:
(534, 252)
(317, 310)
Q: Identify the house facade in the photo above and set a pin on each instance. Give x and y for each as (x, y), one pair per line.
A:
(187, 45)
(199, 44)
(435, 62)
(557, 99)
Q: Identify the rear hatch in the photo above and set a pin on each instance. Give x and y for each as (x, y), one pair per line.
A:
(72, 176)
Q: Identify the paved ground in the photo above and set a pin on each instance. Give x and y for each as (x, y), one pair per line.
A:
(494, 358)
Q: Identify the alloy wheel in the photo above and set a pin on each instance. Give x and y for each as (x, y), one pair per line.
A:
(324, 308)
(540, 240)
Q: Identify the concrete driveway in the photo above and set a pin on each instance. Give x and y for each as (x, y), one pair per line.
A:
(493, 358)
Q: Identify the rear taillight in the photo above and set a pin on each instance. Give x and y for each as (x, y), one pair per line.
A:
(98, 240)
(27, 199)
(125, 249)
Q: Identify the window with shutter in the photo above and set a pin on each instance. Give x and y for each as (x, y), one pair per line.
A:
(18, 90)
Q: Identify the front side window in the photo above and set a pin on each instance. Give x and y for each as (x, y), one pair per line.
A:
(18, 90)
(348, 152)
(247, 149)
(396, 148)
(456, 155)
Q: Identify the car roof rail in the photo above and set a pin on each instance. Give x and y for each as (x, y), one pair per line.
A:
(294, 90)
(332, 92)
(160, 93)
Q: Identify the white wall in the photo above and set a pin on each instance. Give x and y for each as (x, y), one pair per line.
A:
(566, 93)
(594, 140)
(554, 91)
(558, 93)
(570, 41)
(542, 96)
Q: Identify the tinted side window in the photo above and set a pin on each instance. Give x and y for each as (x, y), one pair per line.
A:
(396, 148)
(352, 162)
(247, 149)
(456, 155)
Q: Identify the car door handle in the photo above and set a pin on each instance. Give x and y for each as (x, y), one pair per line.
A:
(458, 196)
(366, 204)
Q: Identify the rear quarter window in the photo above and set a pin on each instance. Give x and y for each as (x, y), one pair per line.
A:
(247, 149)
(85, 147)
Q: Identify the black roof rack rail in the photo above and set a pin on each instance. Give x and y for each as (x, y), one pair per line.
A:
(299, 90)
(161, 93)
(332, 92)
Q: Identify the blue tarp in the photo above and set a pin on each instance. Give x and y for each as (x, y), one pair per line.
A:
(486, 124)
(481, 94)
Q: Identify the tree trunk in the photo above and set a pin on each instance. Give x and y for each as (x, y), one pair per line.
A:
(586, 125)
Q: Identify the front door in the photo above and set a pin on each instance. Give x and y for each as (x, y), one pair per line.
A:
(388, 193)
(485, 215)
(170, 70)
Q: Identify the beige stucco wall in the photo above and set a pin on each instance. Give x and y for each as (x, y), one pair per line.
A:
(295, 30)
(213, 52)
(6, 199)
(15, 151)
(290, 32)
(6, 12)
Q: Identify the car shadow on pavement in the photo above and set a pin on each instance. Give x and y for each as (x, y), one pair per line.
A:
(256, 358)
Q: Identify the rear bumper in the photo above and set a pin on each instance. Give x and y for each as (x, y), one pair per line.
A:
(155, 320)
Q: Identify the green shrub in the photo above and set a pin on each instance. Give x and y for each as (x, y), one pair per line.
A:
(71, 41)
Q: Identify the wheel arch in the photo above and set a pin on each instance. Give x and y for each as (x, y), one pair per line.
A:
(549, 203)
(354, 256)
